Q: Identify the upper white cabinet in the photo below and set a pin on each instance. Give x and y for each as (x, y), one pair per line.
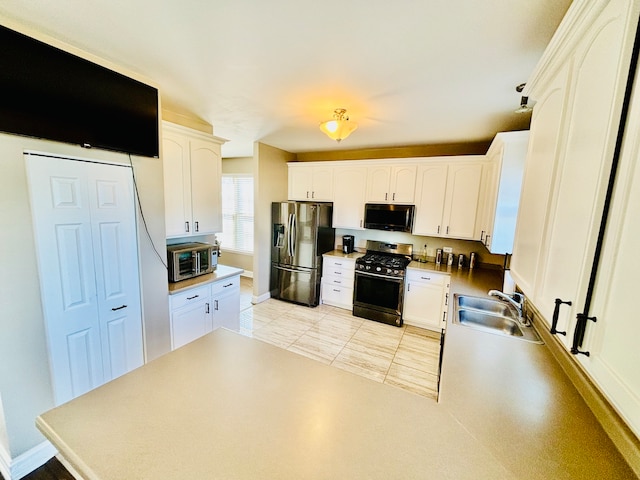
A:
(310, 182)
(350, 183)
(579, 90)
(501, 183)
(192, 181)
(447, 196)
(391, 184)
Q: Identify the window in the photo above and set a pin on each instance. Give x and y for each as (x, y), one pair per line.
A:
(237, 213)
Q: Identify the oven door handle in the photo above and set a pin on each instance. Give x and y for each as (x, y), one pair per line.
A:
(379, 275)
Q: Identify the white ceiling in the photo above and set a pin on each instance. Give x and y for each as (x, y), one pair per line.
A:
(409, 72)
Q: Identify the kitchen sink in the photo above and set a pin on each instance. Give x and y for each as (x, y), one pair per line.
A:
(486, 305)
(491, 316)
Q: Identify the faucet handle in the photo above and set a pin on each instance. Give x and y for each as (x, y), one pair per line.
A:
(518, 297)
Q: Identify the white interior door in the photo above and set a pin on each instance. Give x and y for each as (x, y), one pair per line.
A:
(84, 223)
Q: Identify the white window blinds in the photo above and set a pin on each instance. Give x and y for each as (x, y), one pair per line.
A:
(237, 213)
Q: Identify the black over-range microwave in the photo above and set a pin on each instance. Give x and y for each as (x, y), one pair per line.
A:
(383, 216)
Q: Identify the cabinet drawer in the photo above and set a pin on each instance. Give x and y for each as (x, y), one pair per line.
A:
(425, 276)
(332, 271)
(337, 295)
(338, 263)
(187, 297)
(338, 281)
(225, 285)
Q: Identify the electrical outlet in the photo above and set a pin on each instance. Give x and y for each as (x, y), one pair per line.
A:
(447, 249)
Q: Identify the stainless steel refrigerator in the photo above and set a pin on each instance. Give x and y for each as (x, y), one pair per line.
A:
(301, 233)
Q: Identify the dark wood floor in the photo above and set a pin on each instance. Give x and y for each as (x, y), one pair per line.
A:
(52, 470)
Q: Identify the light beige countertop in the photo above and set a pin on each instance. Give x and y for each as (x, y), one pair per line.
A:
(340, 254)
(231, 407)
(221, 272)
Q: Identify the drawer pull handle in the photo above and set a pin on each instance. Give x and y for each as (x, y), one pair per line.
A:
(227, 285)
(425, 278)
(339, 264)
(556, 314)
(119, 308)
(336, 290)
(191, 298)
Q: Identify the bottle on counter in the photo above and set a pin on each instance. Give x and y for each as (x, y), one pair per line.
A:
(461, 260)
(438, 256)
(423, 257)
(472, 260)
(450, 260)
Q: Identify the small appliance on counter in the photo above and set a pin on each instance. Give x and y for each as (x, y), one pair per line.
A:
(348, 244)
(187, 260)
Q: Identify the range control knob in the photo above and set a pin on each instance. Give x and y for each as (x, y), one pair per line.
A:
(378, 269)
(396, 272)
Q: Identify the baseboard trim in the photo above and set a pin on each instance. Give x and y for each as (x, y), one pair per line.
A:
(260, 298)
(615, 427)
(24, 464)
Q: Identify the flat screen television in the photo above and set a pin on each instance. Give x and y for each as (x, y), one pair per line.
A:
(48, 93)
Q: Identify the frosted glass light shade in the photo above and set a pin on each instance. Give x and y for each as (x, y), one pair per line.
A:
(340, 127)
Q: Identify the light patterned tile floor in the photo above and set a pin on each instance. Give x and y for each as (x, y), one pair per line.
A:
(405, 357)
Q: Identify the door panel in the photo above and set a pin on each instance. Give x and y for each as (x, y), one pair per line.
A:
(84, 223)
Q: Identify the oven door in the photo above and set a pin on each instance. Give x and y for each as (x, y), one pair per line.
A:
(378, 297)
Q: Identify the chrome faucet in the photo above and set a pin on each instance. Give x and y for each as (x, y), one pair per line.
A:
(515, 299)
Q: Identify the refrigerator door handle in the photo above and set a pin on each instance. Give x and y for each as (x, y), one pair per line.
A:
(294, 234)
(289, 239)
(294, 270)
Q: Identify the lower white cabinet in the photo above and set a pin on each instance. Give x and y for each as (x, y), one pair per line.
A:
(426, 299)
(337, 281)
(225, 303)
(200, 310)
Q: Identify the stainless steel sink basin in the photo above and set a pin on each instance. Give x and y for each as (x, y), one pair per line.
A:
(491, 316)
(486, 305)
(488, 322)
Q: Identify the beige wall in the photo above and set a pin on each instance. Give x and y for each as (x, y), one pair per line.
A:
(25, 383)
(270, 166)
(444, 149)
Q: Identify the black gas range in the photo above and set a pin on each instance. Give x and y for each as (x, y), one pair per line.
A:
(379, 282)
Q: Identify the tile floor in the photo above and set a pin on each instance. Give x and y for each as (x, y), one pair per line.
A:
(405, 357)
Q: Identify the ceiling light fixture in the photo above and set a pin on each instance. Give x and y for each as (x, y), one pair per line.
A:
(524, 108)
(340, 127)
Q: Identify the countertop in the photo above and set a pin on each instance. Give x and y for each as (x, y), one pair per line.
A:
(221, 272)
(228, 406)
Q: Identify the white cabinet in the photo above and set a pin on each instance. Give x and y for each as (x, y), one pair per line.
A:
(85, 232)
(579, 91)
(337, 281)
(502, 180)
(350, 185)
(192, 166)
(310, 182)
(225, 302)
(190, 315)
(426, 299)
(447, 196)
(200, 310)
(391, 184)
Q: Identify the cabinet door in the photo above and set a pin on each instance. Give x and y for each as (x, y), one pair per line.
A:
(206, 195)
(461, 204)
(422, 305)
(322, 186)
(177, 184)
(190, 322)
(403, 184)
(350, 185)
(378, 179)
(431, 185)
(538, 178)
(84, 222)
(225, 298)
(300, 182)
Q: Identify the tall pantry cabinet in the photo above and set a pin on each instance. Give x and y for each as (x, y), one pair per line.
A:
(192, 165)
(579, 89)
